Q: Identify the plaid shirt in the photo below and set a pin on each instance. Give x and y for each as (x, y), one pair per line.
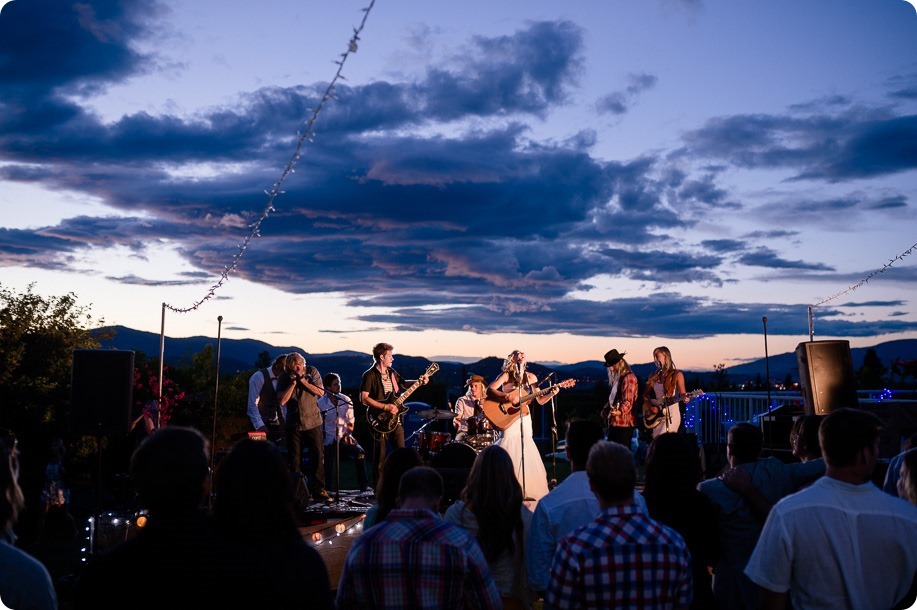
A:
(415, 560)
(623, 559)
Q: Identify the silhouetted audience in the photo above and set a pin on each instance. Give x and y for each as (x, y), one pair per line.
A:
(623, 559)
(175, 560)
(890, 483)
(840, 543)
(743, 495)
(25, 583)
(491, 509)
(253, 506)
(414, 559)
(804, 437)
(396, 464)
(907, 477)
(673, 471)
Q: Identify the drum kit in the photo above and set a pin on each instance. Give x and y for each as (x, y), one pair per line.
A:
(481, 433)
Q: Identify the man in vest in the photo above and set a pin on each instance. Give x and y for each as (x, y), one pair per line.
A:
(264, 410)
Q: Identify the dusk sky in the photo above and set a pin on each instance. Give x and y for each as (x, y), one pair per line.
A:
(558, 177)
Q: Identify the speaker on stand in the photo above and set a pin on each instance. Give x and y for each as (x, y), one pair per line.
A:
(826, 376)
(101, 393)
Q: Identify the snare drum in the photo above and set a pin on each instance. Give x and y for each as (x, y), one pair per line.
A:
(481, 432)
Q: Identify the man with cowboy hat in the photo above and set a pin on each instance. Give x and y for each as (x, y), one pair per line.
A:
(617, 414)
(468, 407)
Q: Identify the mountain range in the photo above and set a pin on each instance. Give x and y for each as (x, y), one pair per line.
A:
(240, 355)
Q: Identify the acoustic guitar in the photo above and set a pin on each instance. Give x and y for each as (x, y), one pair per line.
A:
(503, 414)
(660, 412)
(383, 422)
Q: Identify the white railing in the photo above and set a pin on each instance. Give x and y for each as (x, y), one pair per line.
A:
(710, 416)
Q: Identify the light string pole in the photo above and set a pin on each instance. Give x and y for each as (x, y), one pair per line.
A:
(216, 395)
(307, 133)
(767, 365)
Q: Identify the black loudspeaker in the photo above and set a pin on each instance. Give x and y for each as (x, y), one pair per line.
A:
(826, 376)
(101, 391)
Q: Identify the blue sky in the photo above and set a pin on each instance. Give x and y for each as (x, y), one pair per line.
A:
(562, 178)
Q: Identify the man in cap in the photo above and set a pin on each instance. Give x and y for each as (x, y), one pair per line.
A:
(617, 414)
(468, 407)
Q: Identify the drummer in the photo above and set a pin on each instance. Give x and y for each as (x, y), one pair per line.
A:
(468, 406)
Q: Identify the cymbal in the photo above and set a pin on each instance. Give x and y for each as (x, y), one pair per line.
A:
(437, 414)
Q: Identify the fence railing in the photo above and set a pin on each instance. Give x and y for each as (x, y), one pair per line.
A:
(711, 415)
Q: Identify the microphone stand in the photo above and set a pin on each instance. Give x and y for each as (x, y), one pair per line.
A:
(552, 483)
(522, 382)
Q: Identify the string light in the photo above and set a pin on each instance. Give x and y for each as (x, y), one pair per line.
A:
(868, 277)
(307, 134)
(340, 528)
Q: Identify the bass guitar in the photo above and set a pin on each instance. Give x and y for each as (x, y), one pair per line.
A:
(503, 414)
(383, 422)
(661, 411)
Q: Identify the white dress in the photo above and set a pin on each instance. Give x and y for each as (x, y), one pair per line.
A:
(535, 482)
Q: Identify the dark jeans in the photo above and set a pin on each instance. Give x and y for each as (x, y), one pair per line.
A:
(348, 451)
(380, 450)
(621, 434)
(311, 440)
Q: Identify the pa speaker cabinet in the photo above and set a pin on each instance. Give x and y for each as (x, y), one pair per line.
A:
(101, 391)
(826, 376)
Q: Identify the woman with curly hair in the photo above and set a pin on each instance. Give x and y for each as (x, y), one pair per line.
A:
(491, 509)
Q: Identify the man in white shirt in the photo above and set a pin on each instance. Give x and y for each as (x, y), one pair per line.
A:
(264, 412)
(841, 542)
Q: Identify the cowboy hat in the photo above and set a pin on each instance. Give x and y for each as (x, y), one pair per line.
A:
(613, 357)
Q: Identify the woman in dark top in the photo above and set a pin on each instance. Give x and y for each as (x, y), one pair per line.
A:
(673, 470)
(254, 508)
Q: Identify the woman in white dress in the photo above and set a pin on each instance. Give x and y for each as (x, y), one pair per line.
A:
(510, 386)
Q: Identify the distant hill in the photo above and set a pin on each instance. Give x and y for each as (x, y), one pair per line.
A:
(239, 355)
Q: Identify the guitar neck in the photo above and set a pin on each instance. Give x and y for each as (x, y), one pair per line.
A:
(404, 395)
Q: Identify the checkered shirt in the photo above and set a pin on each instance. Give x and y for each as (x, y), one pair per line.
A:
(415, 560)
(623, 559)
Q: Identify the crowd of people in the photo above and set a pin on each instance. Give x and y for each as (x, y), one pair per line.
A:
(815, 532)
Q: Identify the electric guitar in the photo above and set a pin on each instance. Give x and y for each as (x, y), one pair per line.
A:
(660, 412)
(503, 414)
(383, 422)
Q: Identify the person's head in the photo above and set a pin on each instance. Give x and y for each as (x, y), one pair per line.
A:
(582, 434)
(907, 479)
(744, 442)
(849, 438)
(277, 365)
(514, 361)
(12, 500)
(382, 354)
(253, 493)
(672, 464)
(170, 470)
(804, 437)
(492, 478)
(332, 382)
(395, 465)
(662, 356)
(494, 495)
(612, 473)
(420, 487)
(475, 385)
(294, 364)
(615, 365)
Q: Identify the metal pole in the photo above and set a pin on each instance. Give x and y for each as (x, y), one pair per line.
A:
(216, 394)
(162, 359)
(767, 365)
(811, 325)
